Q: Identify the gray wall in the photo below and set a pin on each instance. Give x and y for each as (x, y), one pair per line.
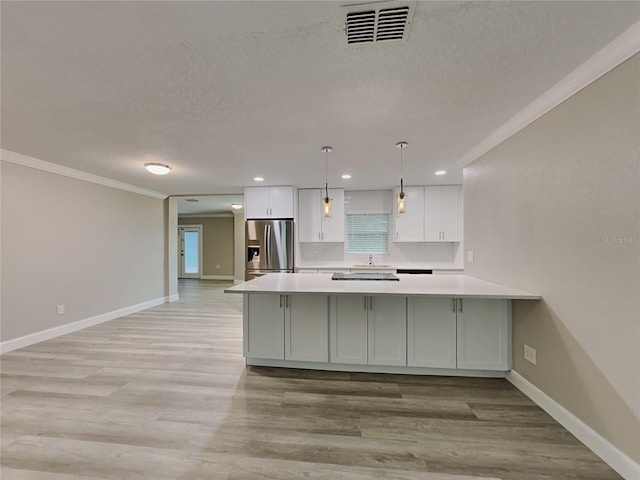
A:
(217, 243)
(93, 248)
(555, 209)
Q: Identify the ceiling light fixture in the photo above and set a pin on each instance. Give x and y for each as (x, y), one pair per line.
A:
(258, 179)
(236, 206)
(157, 168)
(440, 172)
(346, 176)
(402, 208)
(326, 201)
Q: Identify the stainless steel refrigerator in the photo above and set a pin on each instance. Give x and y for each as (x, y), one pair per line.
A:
(268, 247)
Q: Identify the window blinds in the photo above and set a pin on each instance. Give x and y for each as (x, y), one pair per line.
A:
(367, 233)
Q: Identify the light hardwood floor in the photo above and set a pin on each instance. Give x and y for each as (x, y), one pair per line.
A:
(164, 394)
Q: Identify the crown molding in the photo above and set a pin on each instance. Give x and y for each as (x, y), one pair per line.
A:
(620, 49)
(26, 161)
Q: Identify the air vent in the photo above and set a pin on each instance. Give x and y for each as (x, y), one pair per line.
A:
(378, 22)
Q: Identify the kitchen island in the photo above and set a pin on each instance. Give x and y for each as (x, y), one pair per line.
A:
(421, 324)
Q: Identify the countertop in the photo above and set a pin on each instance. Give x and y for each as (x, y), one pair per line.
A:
(409, 285)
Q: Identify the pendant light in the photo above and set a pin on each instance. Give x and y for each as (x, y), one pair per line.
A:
(326, 201)
(402, 208)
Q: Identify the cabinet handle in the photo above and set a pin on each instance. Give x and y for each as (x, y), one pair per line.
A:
(365, 303)
(318, 235)
(443, 235)
(286, 300)
(280, 301)
(396, 235)
(460, 309)
(453, 305)
(370, 303)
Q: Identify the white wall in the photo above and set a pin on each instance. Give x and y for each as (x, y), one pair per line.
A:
(93, 248)
(555, 209)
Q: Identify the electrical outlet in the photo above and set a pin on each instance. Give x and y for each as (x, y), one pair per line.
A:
(218, 266)
(470, 256)
(530, 353)
(60, 309)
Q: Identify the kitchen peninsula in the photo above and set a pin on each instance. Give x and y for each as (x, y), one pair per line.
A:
(421, 324)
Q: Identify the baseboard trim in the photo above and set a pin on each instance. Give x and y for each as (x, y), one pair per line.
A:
(54, 332)
(216, 277)
(616, 459)
(173, 298)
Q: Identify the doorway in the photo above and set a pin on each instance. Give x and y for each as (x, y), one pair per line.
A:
(190, 251)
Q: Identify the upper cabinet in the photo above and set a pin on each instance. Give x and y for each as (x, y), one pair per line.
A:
(442, 213)
(410, 225)
(432, 214)
(312, 226)
(268, 202)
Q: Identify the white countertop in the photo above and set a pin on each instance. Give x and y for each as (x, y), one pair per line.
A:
(389, 266)
(421, 285)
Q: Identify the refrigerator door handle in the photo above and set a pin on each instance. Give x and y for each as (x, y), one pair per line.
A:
(268, 245)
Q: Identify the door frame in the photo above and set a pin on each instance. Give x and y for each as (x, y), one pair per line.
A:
(181, 273)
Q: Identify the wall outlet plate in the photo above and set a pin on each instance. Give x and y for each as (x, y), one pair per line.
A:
(530, 354)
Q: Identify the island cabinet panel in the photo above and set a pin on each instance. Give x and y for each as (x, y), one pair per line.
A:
(306, 328)
(348, 329)
(387, 331)
(431, 332)
(484, 334)
(264, 326)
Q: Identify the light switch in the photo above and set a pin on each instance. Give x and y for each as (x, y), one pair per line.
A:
(470, 256)
(60, 309)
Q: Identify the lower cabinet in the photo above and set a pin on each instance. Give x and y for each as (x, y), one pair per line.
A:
(286, 327)
(426, 332)
(484, 334)
(431, 332)
(368, 330)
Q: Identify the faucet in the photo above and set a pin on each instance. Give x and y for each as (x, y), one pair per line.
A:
(370, 259)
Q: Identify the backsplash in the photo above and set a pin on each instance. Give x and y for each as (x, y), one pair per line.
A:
(444, 255)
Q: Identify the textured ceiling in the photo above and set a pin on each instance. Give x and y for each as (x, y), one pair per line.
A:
(225, 91)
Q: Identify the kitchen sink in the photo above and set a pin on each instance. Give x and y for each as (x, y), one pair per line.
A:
(366, 265)
(365, 276)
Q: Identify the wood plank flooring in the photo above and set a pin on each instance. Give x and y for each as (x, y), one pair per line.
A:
(164, 394)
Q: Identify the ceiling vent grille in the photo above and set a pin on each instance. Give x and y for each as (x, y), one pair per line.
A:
(378, 22)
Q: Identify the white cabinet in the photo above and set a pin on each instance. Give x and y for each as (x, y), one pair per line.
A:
(387, 331)
(431, 332)
(263, 326)
(286, 327)
(348, 329)
(312, 226)
(306, 328)
(369, 330)
(268, 202)
(484, 334)
(442, 213)
(409, 226)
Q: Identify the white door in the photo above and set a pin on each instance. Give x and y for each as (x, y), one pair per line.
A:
(348, 329)
(309, 215)
(190, 251)
(410, 225)
(431, 332)
(387, 331)
(281, 202)
(264, 327)
(333, 227)
(450, 213)
(306, 329)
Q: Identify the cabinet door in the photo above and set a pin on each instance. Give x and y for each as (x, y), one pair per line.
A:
(348, 329)
(431, 332)
(450, 213)
(409, 226)
(306, 328)
(387, 331)
(256, 200)
(281, 202)
(432, 214)
(309, 215)
(264, 327)
(484, 333)
(333, 227)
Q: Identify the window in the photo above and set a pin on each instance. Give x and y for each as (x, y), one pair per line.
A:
(367, 233)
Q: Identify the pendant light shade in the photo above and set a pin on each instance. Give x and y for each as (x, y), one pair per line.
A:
(326, 201)
(402, 207)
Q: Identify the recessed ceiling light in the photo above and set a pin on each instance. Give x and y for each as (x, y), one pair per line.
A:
(191, 200)
(157, 168)
(236, 206)
(441, 172)
(346, 176)
(259, 179)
